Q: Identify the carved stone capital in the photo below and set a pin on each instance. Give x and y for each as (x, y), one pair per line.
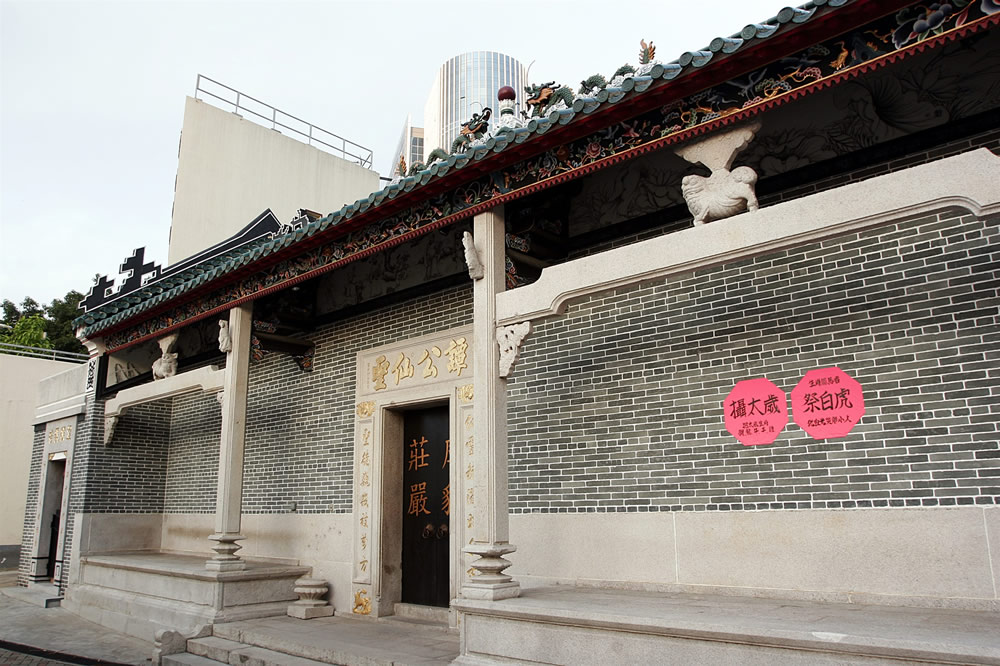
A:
(510, 338)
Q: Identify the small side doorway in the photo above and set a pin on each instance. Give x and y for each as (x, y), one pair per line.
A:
(426, 507)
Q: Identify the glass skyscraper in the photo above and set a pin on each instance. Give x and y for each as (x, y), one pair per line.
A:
(464, 85)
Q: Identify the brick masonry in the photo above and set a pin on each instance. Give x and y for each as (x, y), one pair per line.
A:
(300, 426)
(30, 532)
(617, 406)
(193, 455)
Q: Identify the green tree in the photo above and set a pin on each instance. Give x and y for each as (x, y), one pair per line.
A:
(59, 323)
(28, 331)
(56, 328)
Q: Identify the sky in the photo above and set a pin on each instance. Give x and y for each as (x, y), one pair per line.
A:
(92, 95)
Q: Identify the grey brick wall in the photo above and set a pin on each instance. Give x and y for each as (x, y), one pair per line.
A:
(89, 435)
(300, 426)
(128, 475)
(193, 455)
(30, 531)
(616, 406)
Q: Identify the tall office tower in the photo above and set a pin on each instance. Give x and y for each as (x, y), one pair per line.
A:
(464, 85)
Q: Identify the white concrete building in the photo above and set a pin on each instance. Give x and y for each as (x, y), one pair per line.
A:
(231, 168)
(19, 380)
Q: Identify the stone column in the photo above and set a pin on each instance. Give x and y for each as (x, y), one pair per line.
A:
(490, 528)
(229, 497)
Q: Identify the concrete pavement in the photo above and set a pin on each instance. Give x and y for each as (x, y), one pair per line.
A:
(59, 632)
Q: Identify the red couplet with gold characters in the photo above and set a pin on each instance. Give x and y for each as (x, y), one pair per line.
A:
(426, 506)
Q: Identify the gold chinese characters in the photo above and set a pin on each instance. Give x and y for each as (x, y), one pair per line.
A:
(403, 368)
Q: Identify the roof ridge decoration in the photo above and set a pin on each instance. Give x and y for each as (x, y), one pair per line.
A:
(831, 61)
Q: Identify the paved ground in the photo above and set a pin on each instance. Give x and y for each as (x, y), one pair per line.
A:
(56, 630)
(8, 658)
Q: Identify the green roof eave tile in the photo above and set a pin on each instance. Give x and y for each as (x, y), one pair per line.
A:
(175, 286)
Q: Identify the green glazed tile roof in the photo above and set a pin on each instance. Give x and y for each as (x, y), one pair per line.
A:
(175, 285)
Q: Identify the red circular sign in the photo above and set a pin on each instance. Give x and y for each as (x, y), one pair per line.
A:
(756, 411)
(827, 403)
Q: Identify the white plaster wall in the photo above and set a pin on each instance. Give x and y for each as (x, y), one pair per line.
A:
(230, 169)
(19, 395)
(947, 557)
(318, 540)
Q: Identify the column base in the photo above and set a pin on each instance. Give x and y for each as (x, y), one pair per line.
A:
(490, 583)
(225, 558)
(491, 592)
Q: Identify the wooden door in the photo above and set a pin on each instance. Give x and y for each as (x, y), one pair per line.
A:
(426, 506)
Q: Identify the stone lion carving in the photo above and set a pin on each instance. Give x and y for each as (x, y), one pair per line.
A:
(165, 366)
(724, 193)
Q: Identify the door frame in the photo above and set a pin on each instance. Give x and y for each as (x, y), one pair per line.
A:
(378, 477)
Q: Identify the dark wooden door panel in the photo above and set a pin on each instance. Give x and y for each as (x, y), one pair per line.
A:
(426, 506)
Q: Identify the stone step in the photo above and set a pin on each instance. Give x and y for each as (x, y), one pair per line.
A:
(216, 650)
(187, 660)
(258, 656)
(214, 647)
(430, 614)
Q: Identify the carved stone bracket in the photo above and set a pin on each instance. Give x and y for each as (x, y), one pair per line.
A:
(724, 193)
(476, 271)
(110, 423)
(510, 338)
(225, 342)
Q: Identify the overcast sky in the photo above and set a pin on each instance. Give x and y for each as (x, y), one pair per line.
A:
(92, 95)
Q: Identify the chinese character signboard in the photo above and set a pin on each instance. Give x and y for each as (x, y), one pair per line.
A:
(430, 360)
(827, 403)
(755, 412)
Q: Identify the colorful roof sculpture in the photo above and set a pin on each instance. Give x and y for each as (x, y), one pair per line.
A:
(568, 138)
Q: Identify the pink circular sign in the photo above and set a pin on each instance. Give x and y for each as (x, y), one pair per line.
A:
(827, 403)
(756, 411)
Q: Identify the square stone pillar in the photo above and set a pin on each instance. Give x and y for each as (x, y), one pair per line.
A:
(490, 522)
(229, 497)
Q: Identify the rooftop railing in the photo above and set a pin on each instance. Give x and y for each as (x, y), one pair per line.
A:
(264, 114)
(39, 352)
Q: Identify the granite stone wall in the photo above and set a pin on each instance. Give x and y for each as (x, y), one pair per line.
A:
(617, 406)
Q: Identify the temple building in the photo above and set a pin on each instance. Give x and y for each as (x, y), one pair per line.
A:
(720, 324)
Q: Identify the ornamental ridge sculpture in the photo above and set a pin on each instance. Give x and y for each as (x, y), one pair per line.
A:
(724, 193)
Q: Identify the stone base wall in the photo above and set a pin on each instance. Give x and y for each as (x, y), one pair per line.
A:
(937, 557)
